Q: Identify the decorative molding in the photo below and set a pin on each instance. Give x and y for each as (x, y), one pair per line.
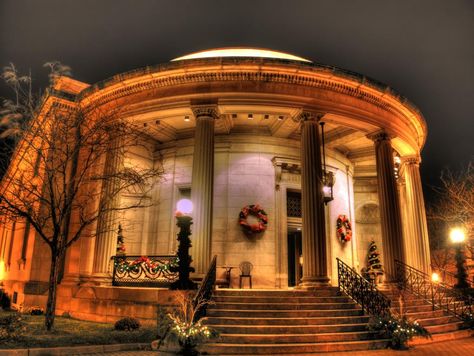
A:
(306, 115)
(205, 111)
(380, 136)
(416, 160)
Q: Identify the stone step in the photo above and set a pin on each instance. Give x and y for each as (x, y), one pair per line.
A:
(282, 313)
(410, 302)
(445, 319)
(444, 328)
(290, 299)
(415, 308)
(291, 349)
(425, 314)
(295, 338)
(323, 292)
(287, 329)
(263, 321)
(284, 306)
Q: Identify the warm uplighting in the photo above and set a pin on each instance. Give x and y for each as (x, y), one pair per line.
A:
(301, 260)
(184, 206)
(2, 270)
(241, 52)
(435, 277)
(250, 117)
(457, 235)
(187, 119)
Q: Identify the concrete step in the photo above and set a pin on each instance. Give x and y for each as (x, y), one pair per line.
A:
(287, 329)
(263, 321)
(415, 315)
(323, 292)
(291, 349)
(444, 328)
(414, 308)
(290, 299)
(282, 313)
(445, 319)
(284, 306)
(295, 338)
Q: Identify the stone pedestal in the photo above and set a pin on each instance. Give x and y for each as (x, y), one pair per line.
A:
(416, 216)
(391, 222)
(312, 205)
(202, 187)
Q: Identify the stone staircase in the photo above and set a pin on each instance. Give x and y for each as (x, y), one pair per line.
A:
(440, 324)
(252, 322)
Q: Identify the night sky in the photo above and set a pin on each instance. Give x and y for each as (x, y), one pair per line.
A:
(423, 49)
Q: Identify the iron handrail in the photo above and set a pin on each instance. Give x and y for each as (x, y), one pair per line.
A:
(450, 278)
(362, 291)
(204, 293)
(143, 271)
(454, 301)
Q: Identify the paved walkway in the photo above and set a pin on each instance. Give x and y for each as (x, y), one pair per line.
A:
(462, 347)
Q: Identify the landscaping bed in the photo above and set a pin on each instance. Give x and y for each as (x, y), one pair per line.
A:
(71, 332)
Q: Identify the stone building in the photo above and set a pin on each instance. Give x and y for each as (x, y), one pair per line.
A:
(235, 127)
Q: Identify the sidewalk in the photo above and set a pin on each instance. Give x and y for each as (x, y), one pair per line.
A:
(461, 347)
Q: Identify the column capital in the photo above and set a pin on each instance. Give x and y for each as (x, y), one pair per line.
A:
(205, 111)
(308, 115)
(380, 136)
(415, 159)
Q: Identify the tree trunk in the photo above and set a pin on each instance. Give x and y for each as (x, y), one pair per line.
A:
(52, 289)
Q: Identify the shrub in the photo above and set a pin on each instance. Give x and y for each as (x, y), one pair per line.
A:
(5, 302)
(11, 326)
(36, 311)
(127, 324)
(399, 330)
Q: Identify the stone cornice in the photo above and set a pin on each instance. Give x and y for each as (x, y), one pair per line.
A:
(316, 77)
(307, 115)
(416, 160)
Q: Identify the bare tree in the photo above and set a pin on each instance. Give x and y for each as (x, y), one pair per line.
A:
(454, 207)
(56, 181)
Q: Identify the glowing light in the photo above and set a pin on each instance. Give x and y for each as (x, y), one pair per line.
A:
(435, 277)
(457, 235)
(327, 190)
(241, 52)
(185, 206)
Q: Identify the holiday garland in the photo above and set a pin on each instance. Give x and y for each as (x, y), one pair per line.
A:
(343, 228)
(154, 266)
(259, 213)
(374, 267)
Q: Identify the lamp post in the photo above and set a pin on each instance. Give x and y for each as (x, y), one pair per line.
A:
(434, 280)
(328, 177)
(458, 237)
(184, 221)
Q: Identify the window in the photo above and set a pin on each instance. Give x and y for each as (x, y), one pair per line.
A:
(293, 204)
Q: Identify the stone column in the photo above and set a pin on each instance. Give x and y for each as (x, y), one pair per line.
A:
(416, 216)
(312, 205)
(107, 225)
(391, 222)
(202, 187)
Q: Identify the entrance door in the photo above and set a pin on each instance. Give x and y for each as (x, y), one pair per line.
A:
(295, 256)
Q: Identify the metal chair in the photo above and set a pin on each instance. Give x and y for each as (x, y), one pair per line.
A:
(245, 269)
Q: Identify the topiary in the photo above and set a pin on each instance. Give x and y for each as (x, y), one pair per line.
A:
(127, 324)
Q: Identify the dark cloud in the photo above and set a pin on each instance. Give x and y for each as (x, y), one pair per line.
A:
(423, 49)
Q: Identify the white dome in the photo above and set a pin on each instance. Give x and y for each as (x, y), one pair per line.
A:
(241, 52)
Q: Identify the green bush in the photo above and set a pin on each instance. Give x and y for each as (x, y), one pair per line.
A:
(11, 326)
(399, 330)
(127, 324)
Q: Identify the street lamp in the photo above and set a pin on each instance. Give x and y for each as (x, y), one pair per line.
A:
(184, 207)
(458, 237)
(328, 177)
(435, 280)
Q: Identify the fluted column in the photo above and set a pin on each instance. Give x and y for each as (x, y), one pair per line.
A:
(312, 205)
(391, 222)
(202, 187)
(106, 237)
(416, 215)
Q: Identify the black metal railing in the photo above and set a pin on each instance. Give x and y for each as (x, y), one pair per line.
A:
(204, 294)
(362, 291)
(440, 295)
(144, 271)
(450, 278)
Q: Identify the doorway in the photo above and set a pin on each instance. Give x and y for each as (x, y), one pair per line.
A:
(295, 257)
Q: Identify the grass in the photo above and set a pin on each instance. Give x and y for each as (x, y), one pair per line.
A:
(72, 332)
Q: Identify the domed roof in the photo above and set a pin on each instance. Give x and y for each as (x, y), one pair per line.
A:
(241, 52)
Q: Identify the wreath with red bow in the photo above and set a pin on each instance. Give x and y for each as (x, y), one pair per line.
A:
(257, 211)
(343, 228)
